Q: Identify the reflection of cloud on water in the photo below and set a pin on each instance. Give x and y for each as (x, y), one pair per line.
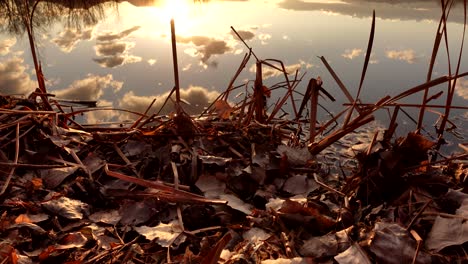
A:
(198, 97)
(112, 48)
(68, 38)
(6, 44)
(101, 116)
(117, 60)
(269, 72)
(206, 47)
(407, 55)
(90, 88)
(351, 54)
(14, 78)
(385, 9)
(112, 36)
(245, 34)
(264, 38)
(113, 51)
(461, 88)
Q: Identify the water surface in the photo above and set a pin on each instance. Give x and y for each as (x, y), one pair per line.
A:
(125, 59)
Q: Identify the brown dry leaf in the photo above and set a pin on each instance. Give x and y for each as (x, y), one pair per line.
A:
(266, 91)
(223, 109)
(7, 252)
(22, 218)
(36, 183)
(72, 240)
(417, 142)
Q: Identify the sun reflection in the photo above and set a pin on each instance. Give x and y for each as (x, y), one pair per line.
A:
(179, 10)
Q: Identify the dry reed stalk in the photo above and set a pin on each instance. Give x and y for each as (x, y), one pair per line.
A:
(316, 148)
(337, 80)
(364, 70)
(259, 100)
(392, 126)
(289, 93)
(410, 105)
(315, 88)
(176, 67)
(164, 190)
(288, 83)
(452, 85)
(144, 114)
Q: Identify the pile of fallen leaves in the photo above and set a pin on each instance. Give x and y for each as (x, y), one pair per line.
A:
(180, 189)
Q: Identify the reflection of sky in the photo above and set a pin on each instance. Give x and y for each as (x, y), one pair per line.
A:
(126, 59)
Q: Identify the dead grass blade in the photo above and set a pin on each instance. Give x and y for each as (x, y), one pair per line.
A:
(368, 54)
(178, 195)
(452, 85)
(337, 79)
(435, 50)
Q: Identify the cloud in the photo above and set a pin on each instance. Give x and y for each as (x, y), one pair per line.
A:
(264, 38)
(386, 9)
(6, 44)
(187, 67)
(100, 116)
(68, 38)
(152, 61)
(117, 60)
(206, 47)
(407, 55)
(112, 48)
(245, 34)
(14, 78)
(112, 51)
(112, 36)
(198, 97)
(89, 88)
(269, 72)
(351, 54)
(461, 88)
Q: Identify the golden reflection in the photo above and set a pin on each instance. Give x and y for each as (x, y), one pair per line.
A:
(179, 10)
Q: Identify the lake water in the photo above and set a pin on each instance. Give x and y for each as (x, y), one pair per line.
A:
(125, 59)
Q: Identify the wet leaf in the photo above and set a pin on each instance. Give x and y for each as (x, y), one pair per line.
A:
(296, 260)
(220, 161)
(163, 233)
(54, 177)
(72, 240)
(137, 213)
(111, 217)
(449, 231)
(66, 207)
(296, 156)
(299, 184)
(256, 235)
(93, 163)
(236, 203)
(134, 148)
(392, 239)
(33, 227)
(353, 255)
(320, 247)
